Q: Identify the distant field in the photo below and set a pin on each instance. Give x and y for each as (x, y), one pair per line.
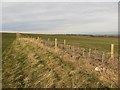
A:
(100, 43)
(7, 39)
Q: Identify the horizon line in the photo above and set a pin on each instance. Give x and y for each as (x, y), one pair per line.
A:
(57, 33)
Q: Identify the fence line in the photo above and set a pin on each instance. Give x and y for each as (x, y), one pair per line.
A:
(82, 51)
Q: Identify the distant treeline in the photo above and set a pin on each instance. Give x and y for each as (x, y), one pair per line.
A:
(90, 35)
(115, 36)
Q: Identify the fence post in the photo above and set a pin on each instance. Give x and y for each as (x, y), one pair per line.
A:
(17, 35)
(83, 52)
(55, 44)
(48, 40)
(73, 52)
(64, 43)
(89, 53)
(38, 38)
(103, 57)
(112, 50)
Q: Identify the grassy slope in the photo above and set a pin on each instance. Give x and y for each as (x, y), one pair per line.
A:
(34, 66)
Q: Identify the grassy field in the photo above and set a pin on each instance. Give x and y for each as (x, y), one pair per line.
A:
(100, 43)
(7, 39)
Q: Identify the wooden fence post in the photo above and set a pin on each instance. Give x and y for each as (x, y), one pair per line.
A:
(64, 43)
(55, 44)
(73, 52)
(83, 52)
(103, 57)
(89, 53)
(48, 40)
(17, 35)
(38, 38)
(112, 50)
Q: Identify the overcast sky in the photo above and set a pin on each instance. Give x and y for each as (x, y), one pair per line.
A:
(69, 17)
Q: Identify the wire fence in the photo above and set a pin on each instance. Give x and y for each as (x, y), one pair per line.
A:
(79, 53)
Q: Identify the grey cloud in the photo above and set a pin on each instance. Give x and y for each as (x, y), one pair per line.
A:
(59, 17)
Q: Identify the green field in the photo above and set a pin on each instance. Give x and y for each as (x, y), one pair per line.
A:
(7, 39)
(100, 43)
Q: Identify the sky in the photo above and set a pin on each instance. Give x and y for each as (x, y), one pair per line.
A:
(60, 17)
